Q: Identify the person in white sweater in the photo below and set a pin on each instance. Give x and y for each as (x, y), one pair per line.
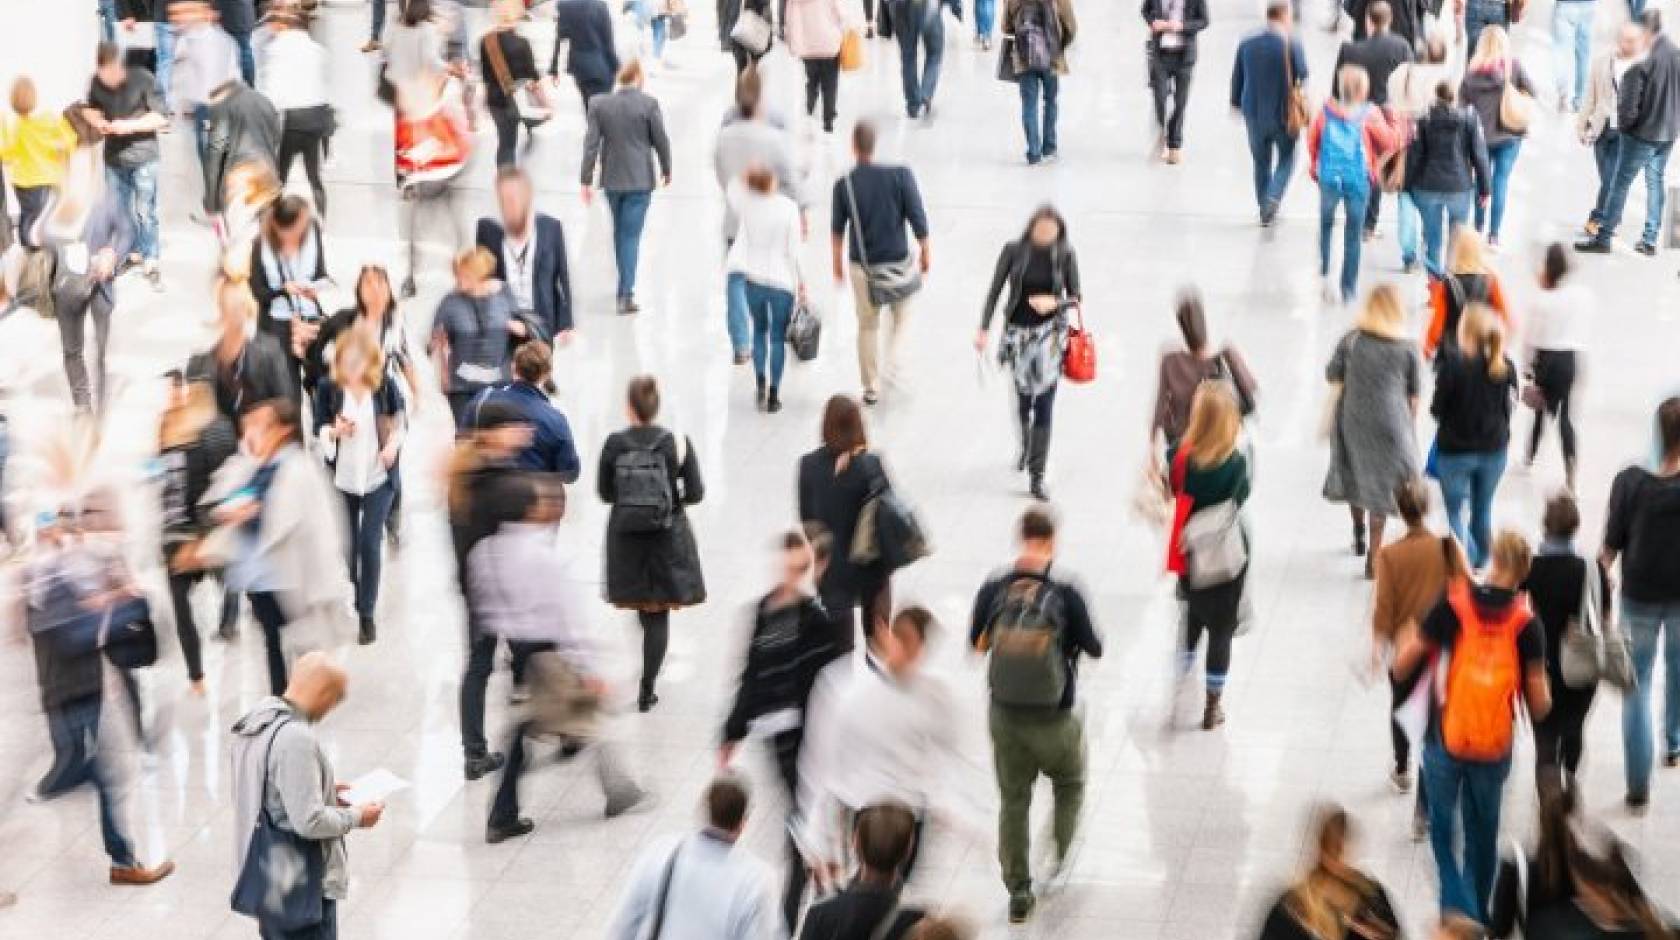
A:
(293, 76)
(766, 253)
(1556, 331)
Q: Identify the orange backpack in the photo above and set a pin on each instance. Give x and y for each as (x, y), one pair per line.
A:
(1483, 678)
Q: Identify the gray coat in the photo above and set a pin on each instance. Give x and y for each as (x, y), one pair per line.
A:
(626, 134)
(1373, 444)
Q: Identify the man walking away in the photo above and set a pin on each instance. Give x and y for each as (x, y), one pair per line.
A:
(283, 776)
(1269, 66)
(584, 29)
(1034, 626)
(920, 22)
(869, 908)
(1648, 119)
(1038, 33)
(1173, 25)
(1379, 55)
(1644, 532)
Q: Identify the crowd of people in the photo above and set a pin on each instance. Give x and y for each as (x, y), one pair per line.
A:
(279, 472)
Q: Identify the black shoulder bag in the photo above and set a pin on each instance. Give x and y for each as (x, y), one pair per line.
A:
(275, 854)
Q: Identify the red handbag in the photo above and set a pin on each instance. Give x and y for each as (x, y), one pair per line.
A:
(1079, 359)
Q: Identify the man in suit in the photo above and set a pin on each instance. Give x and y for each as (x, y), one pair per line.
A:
(530, 252)
(1173, 25)
(584, 28)
(1379, 55)
(1648, 122)
(1406, 19)
(1269, 65)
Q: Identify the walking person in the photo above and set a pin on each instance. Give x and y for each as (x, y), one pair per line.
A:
(35, 146)
(244, 366)
(376, 25)
(288, 273)
(584, 29)
(206, 60)
(374, 310)
(194, 440)
(1411, 89)
(1379, 53)
(1376, 378)
(815, 30)
(1474, 390)
(834, 483)
(873, 204)
(1478, 15)
(124, 106)
(238, 18)
(747, 140)
(530, 252)
(1447, 171)
(1332, 899)
(649, 475)
(1182, 371)
(1497, 657)
(1036, 36)
(1647, 123)
(1034, 625)
(1270, 65)
(1468, 280)
(1041, 270)
(433, 141)
(1173, 25)
(1572, 28)
(1347, 142)
(1555, 334)
(1209, 475)
(1596, 120)
(1642, 533)
(1488, 79)
(748, 57)
(510, 70)
(871, 905)
(765, 253)
(474, 333)
(626, 135)
(920, 24)
(294, 77)
(1559, 588)
(90, 225)
(241, 131)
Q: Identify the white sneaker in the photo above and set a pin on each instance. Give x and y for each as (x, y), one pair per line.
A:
(1400, 781)
(1332, 293)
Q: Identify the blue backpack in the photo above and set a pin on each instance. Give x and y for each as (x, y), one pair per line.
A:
(1341, 148)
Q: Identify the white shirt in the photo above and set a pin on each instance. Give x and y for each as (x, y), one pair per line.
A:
(526, 585)
(1618, 71)
(766, 247)
(357, 469)
(1557, 319)
(293, 71)
(520, 257)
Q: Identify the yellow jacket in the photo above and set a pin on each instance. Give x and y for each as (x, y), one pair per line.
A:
(36, 149)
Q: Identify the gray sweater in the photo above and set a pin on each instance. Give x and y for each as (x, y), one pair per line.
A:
(300, 796)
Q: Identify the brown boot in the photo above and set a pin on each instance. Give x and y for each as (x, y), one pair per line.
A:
(1212, 715)
(140, 875)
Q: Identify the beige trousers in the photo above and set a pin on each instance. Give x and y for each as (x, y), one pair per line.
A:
(869, 331)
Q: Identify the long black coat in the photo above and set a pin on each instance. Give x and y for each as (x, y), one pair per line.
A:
(657, 570)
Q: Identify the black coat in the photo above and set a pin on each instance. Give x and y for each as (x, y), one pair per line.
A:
(789, 648)
(261, 372)
(1379, 56)
(1648, 106)
(183, 518)
(1448, 153)
(653, 570)
(1011, 269)
(1195, 20)
(584, 28)
(551, 280)
(835, 500)
(1408, 18)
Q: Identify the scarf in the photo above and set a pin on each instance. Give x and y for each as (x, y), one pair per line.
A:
(281, 271)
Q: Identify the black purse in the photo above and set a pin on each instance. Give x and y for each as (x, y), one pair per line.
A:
(280, 881)
(130, 637)
(1006, 70)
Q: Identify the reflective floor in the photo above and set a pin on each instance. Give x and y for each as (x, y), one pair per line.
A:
(1186, 835)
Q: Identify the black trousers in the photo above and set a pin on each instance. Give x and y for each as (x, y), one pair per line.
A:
(326, 929)
(1373, 207)
(507, 124)
(786, 747)
(1213, 610)
(822, 76)
(1554, 372)
(1169, 76)
(875, 600)
(587, 90)
(74, 307)
(265, 607)
(309, 145)
(475, 679)
(1558, 736)
(186, 628)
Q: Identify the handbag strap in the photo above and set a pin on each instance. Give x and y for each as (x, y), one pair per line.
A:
(1288, 63)
(498, 61)
(857, 221)
(1592, 607)
(664, 894)
(888, 921)
(268, 754)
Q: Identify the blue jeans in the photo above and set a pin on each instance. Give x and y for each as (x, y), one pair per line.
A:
(1040, 131)
(1502, 159)
(136, 190)
(629, 212)
(770, 308)
(1605, 149)
(1270, 178)
(1572, 34)
(165, 60)
(367, 514)
(1479, 14)
(1354, 196)
(1470, 791)
(74, 729)
(985, 17)
(1410, 224)
(1471, 478)
(378, 24)
(1636, 9)
(1633, 155)
(735, 291)
(1440, 213)
(1645, 625)
(108, 20)
(247, 58)
(923, 22)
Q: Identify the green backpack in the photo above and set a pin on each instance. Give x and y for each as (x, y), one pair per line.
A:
(1027, 666)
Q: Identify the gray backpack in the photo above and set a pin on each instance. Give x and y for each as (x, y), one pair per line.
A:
(1027, 666)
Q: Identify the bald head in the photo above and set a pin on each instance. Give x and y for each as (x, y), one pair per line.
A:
(318, 685)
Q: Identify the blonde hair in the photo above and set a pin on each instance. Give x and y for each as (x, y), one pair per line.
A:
(1467, 249)
(1211, 434)
(24, 98)
(476, 262)
(234, 293)
(359, 341)
(631, 73)
(1492, 49)
(1384, 314)
(1354, 83)
(1480, 330)
(1512, 554)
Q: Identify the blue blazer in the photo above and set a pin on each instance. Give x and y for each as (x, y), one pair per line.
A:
(551, 283)
(1258, 86)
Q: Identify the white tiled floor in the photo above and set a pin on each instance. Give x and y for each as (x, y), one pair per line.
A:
(1186, 835)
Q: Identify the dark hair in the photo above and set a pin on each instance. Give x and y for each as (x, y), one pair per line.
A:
(760, 180)
(1557, 844)
(107, 53)
(644, 398)
(1379, 14)
(1556, 266)
(1411, 500)
(285, 213)
(1668, 426)
(533, 361)
(916, 618)
(282, 411)
(1047, 211)
(1037, 525)
(749, 90)
(941, 927)
(416, 12)
(1435, 50)
(1277, 10)
(726, 803)
(1563, 517)
(377, 271)
(884, 834)
(1444, 93)
(1652, 21)
(842, 425)
(1192, 322)
(863, 138)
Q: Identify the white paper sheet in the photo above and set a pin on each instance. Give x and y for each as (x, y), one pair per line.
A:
(373, 787)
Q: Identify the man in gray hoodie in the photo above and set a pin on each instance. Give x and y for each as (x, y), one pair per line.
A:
(278, 764)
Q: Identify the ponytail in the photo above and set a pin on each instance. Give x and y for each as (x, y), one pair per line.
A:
(1493, 348)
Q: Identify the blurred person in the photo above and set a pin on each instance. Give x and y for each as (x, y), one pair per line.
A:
(765, 252)
(288, 272)
(249, 190)
(474, 333)
(1446, 171)
(530, 252)
(508, 68)
(1041, 270)
(1642, 531)
(1033, 626)
(1572, 29)
(1379, 52)
(124, 106)
(376, 25)
(744, 57)
(1209, 472)
(35, 146)
(922, 23)
(1497, 651)
(1558, 587)
(1333, 900)
(433, 143)
(1410, 92)
(1269, 66)
(530, 590)
(1488, 77)
(1182, 371)
(1477, 15)
(241, 127)
(1475, 387)
(374, 308)
(90, 235)
(414, 48)
(137, 19)
(194, 440)
(1535, 880)
(552, 449)
(1376, 378)
(1647, 123)
(206, 59)
(1468, 280)
(869, 907)
(1596, 117)
(700, 886)
(239, 19)
(833, 484)
(1171, 54)
(649, 475)
(243, 366)
(295, 78)
(1037, 35)
(584, 29)
(815, 30)
(654, 18)
(1554, 335)
(625, 136)
(283, 779)
(361, 424)
(792, 641)
(1346, 143)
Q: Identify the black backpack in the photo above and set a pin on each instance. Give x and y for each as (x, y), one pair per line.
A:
(1037, 37)
(1651, 557)
(644, 501)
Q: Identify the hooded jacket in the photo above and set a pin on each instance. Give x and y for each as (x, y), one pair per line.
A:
(299, 793)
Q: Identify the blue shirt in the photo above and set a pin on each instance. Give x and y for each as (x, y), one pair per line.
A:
(552, 449)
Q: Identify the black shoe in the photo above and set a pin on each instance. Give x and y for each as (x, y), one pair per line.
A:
(639, 801)
(1359, 540)
(1021, 907)
(1637, 803)
(646, 701)
(773, 403)
(1647, 249)
(228, 632)
(1268, 213)
(760, 398)
(1593, 246)
(482, 764)
(367, 634)
(1039, 491)
(501, 832)
(568, 750)
(408, 290)
(1671, 759)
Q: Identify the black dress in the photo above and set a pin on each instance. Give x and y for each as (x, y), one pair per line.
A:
(659, 570)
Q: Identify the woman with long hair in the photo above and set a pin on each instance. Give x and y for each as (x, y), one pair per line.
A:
(1376, 377)
(288, 272)
(194, 439)
(1182, 371)
(834, 483)
(1488, 77)
(1041, 270)
(1469, 279)
(374, 308)
(1208, 473)
(1554, 337)
(1332, 900)
(1475, 387)
(766, 252)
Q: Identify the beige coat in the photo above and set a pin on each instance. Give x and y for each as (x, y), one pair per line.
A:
(815, 28)
(1599, 104)
(1064, 13)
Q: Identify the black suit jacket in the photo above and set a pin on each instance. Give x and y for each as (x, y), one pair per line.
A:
(551, 284)
(1379, 56)
(1195, 20)
(1408, 18)
(584, 27)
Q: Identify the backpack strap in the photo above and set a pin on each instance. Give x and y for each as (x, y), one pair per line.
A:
(886, 924)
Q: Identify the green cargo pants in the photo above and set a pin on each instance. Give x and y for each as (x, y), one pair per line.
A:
(1026, 743)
